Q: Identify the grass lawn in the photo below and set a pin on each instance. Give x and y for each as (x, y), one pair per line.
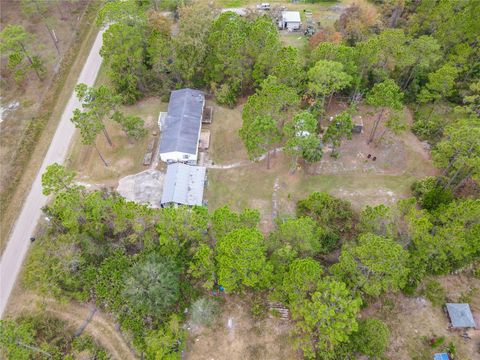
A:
(401, 160)
(295, 39)
(125, 157)
(225, 126)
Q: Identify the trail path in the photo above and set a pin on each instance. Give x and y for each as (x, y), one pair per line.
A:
(24, 228)
(242, 162)
(100, 327)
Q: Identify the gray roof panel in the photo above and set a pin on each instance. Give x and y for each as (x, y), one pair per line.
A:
(460, 315)
(184, 184)
(183, 121)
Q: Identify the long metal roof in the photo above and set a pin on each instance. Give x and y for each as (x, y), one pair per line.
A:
(184, 184)
(183, 122)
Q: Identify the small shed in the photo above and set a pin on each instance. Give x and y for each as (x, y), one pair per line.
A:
(183, 185)
(460, 316)
(441, 356)
(290, 20)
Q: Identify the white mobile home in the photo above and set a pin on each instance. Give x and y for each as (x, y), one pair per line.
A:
(181, 128)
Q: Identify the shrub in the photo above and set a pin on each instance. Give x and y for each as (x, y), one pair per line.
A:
(331, 213)
(468, 296)
(372, 337)
(227, 94)
(476, 271)
(435, 342)
(429, 128)
(258, 308)
(434, 292)
(431, 195)
(204, 311)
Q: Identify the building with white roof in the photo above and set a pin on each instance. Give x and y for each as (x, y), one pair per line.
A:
(290, 20)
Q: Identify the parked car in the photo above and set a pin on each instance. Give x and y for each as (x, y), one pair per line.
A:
(263, 6)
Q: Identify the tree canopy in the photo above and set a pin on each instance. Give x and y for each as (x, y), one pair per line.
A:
(373, 266)
(242, 262)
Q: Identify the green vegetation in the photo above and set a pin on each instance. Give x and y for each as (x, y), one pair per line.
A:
(434, 292)
(99, 104)
(43, 336)
(16, 43)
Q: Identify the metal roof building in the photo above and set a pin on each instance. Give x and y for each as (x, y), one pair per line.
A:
(460, 315)
(180, 133)
(441, 356)
(183, 185)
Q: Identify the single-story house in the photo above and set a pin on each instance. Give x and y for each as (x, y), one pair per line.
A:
(181, 126)
(460, 316)
(290, 20)
(183, 185)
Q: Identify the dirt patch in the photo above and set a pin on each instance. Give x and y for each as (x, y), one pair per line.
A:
(394, 154)
(414, 320)
(101, 328)
(144, 188)
(236, 335)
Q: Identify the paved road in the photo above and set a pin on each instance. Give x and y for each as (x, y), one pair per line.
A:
(17, 246)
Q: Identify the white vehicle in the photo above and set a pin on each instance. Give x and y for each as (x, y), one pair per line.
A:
(263, 6)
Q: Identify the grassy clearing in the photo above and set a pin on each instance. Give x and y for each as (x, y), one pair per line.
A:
(401, 160)
(125, 157)
(295, 39)
(32, 144)
(226, 124)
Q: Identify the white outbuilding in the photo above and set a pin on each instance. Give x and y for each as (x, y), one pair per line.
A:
(290, 20)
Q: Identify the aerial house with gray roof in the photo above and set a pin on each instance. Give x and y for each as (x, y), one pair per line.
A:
(183, 185)
(181, 128)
